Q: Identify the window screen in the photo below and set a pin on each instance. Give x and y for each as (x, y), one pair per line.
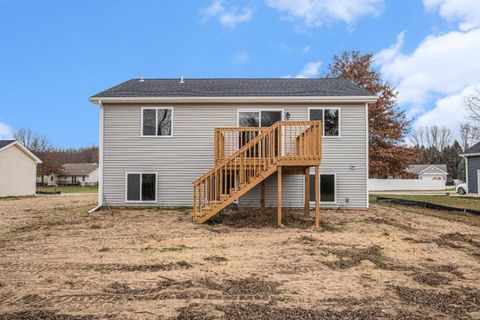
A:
(148, 187)
(327, 187)
(149, 118)
(270, 117)
(133, 187)
(331, 122)
(249, 119)
(164, 127)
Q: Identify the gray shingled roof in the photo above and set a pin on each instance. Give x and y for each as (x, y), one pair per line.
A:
(473, 149)
(417, 168)
(234, 87)
(4, 143)
(78, 169)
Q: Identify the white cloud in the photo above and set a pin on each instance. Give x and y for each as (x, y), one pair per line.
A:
(440, 65)
(306, 49)
(466, 12)
(316, 12)
(449, 111)
(241, 57)
(391, 52)
(6, 132)
(228, 17)
(310, 70)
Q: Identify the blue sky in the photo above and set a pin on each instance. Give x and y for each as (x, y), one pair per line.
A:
(55, 54)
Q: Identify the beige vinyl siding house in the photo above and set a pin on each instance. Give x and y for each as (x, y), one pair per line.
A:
(177, 159)
(82, 174)
(18, 169)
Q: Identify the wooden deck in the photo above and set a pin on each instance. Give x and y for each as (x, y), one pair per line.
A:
(245, 157)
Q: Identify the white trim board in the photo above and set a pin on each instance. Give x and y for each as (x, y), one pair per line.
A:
(257, 99)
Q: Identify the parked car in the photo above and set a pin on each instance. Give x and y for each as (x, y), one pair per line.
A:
(461, 188)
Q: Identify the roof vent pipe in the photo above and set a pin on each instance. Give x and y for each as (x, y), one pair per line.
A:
(181, 79)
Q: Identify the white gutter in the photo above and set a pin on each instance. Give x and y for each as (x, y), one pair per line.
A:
(100, 158)
(273, 99)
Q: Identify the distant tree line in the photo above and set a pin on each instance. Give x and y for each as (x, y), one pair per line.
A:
(53, 158)
(435, 145)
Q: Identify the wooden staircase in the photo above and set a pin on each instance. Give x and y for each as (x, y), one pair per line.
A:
(247, 156)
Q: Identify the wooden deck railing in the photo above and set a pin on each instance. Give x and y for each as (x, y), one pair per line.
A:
(228, 140)
(286, 142)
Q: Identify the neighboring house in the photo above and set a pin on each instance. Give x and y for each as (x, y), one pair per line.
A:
(429, 171)
(157, 136)
(84, 174)
(472, 167)
(18, 169)
(48, 180)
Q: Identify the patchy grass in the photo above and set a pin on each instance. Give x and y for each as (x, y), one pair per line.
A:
(444, 200)
(69, 189)
(184, 264)
(451, 216)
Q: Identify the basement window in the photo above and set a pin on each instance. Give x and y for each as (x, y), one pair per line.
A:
(327, 188)
(141, 187)
(330, 118)
(157, 122)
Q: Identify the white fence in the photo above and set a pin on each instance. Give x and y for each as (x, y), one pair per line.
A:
(405, 185)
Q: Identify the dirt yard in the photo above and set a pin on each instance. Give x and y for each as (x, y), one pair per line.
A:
(58, 262)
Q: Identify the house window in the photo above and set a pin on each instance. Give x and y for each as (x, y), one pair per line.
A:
(83, 178)
(259, 118)
(256, 118)
(330, 118)
(51, 178)
(141, 187)
(327, 188)
(157, 122)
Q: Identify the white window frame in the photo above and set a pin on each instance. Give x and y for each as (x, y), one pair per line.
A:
(334, 174)
(323, 120)
(156, 122)
(259, 110)
(141, 173)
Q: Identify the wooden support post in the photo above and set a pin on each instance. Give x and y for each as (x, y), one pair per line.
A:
(194, 202)
(317, 196)
(262, 197)
(307, 191)
(279, 196)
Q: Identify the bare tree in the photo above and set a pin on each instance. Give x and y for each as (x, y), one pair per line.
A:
(418, 137)
(33, 141)
(434, 136)
(473, 104)
(469, 135)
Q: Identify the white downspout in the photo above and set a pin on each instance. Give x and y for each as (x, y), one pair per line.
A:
(100, 158)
